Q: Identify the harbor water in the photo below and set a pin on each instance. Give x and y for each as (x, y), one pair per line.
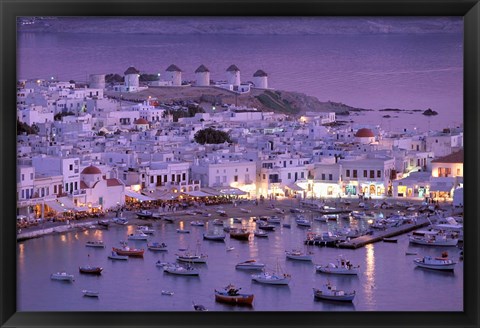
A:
(388, 279)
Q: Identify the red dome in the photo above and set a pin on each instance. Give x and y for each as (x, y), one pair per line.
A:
(91, 170)
(141, 121)
(365, 133)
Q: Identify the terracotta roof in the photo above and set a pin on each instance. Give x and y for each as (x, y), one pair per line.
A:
(131, 70)
(141, 121)
(201, 69)
(259, 73)
(364, 133)
(233, 68)
(456, 157)
(113, 182)
(173, 68)
(91, 170)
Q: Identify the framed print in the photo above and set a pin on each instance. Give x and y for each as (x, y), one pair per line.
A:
(289, 164)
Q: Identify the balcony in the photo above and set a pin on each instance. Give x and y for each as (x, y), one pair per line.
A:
(274, 180)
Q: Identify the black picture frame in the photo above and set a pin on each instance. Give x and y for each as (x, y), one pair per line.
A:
(9, 9)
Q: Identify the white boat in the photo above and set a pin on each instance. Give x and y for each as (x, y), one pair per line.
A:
(138, 235)
(90, 293)
(298, 255)
(62, 276)
(432, 238)
(146, 230)
(229, 248)
(197, 223)
(217, 222)
(245, 210)
(274, 219)
(156, 246)
(330, 292)
(183, 231)
(181, 271)
(214, 236)
(343, 266)
(96, 243)
(302, 222)
(192, 258)
(436, 263)
(261, 234)
(167, 292)
(265, 226)
(250, 265)
(326, 217)
(143, 214)
(120, 221)
(272, 278)
(115, 256)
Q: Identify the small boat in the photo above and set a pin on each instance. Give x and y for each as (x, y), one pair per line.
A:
(146, 230)
(411, 253)
(229, 248)
(244, 210)
(120, 221)
(183, 231)
(302, 222)
(390, 240)
(199, 307)
(214, 236)
(261, 234)
(286, 225)
(125, 250)
(114, 256)
(240, 234)
(180, 270)
(197, 223)
(138, 235)
(274, 220)
(436, 263)
(217, 222)
(167, 292)
(221, 213)
(96, 243)
(298, 255)
(62, 276)
(343, 266)
(250, 265)
(192, 258)
(169, 219)
(432, 238)
(272, 278)
(237, 220)
(266, 226)
(230, 294)
(90, 293)
(156, 246)
(331, 293)
(144, 214)
(103, 223)
(326, 217)
(90, 269)
(161, 264)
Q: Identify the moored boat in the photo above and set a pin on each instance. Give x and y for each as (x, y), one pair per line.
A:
(90, 293)
(274, 220)
(250, 265)
(199, 307)
(214, 236)
(217, 222)
(167, 292)
(331, 293)
(272, 278)
(156, 246)
(62, 276)
(261, 234)
(120, 221)
(302, 222)
(126, 250)
(265, 226)
(144, 214)
(96, 243)
(88, 269)
(103, 223)
(240, 234)
(343, 266)
(390, 240)
(230, 294)
(436, 263)
(181, 271)
(298, 255)
(114, 256)
(138, 235)
(146, 230)
(192, 258)
(183, 231)
(197, 223)
(432, 238)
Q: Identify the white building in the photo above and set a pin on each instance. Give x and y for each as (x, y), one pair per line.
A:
(233, 75)
(447, 174)
(96, 81)
(99, 191)
(34, 115)
(69, 168)
(260, 78)
(202, 76)
(174, 75)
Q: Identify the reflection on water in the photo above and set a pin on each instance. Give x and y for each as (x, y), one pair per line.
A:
(369, 284)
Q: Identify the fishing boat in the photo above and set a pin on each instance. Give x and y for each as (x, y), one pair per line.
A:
(197, 223)
(192, 258)
(298, 255)
(326, 217)
(432, 238)
(343, 266)
(126, 250)
(199, 307)
(230, 294)
(62, 276)
(114, 256)
(90, 293)
(249, 265)
(138, 235)
(90, 269)
(156, 246)
(120, 221)
(331, 293)
(436, 263)
(96, 243)
(167, 292)
(260, 234)
(181, 271)
(146, 230)
(143, 214)
(214, 236)
(240, 234)
(272, 278)
(183, 231)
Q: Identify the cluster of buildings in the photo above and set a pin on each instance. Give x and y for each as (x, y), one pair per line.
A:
(94, 153)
